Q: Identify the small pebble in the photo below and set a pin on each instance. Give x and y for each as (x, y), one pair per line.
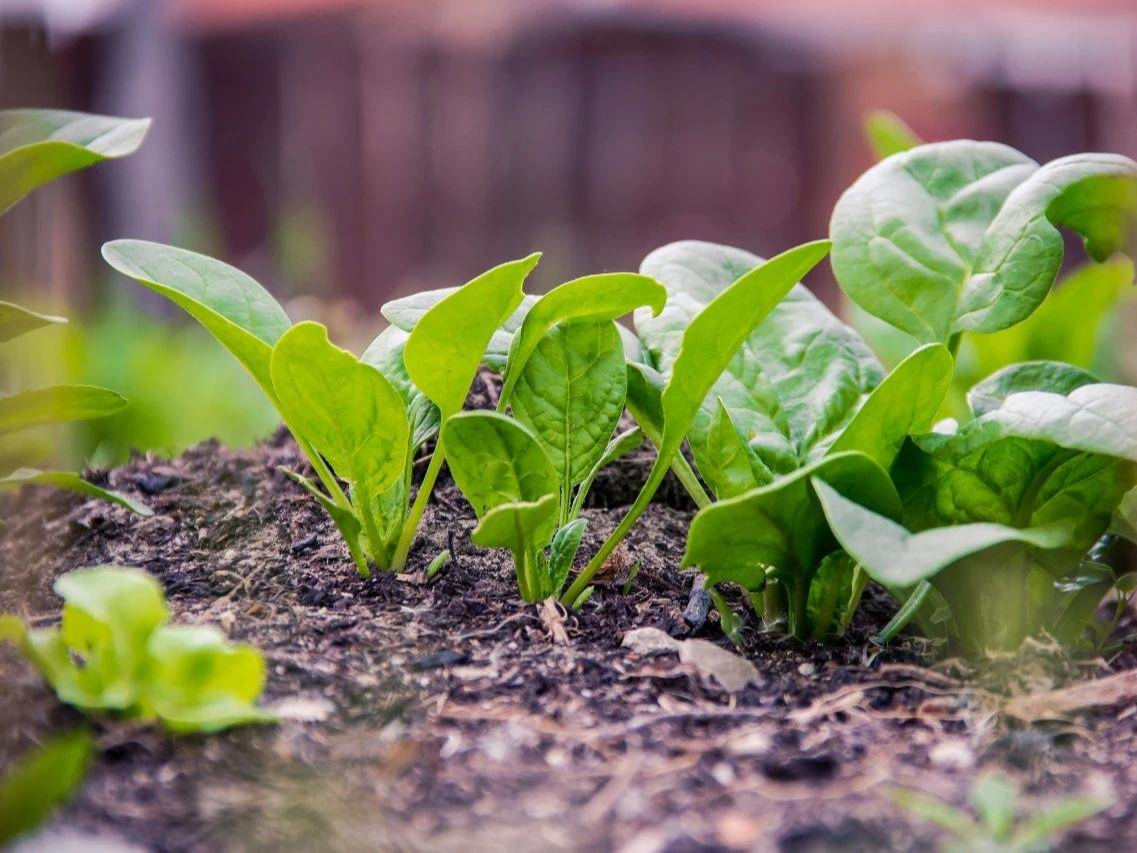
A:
(807, 669)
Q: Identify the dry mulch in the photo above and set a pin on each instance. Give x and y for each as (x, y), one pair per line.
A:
(448, 715)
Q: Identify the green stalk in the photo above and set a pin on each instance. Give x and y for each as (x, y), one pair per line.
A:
(363, 498)
(904, 614)
(690, 481)
(860, 581)
(322, 471)
(407, 537)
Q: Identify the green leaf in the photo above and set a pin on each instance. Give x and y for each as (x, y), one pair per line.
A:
(708, 344)
(570, 394)
(562, 551)
(1099, 418)
(40, 781)
(888, 134)
(904, 404)
(196, 681)
(727, 462)
(994, 797)
(525, 529)
(448, 342)
(238, 312)
(346, 522)
(38, 146)
(962, 236)
(57, 404)
(620, 445)
(343, 407)
(72, 482)
(896, 557)
(594, 298)
(15, 320)
(781, 526)
(1038, 830)
(108, 614)
(795, 380)
(385, 353)
(1125, 519)
(495, 460)
(1056, 377)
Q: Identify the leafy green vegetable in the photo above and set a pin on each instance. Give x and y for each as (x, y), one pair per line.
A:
(114, 652)
(69, 481)
(16, 320)
(38, 146)
(708, 345)
(496, 460)
(56, 404)
(888, 134)
(963, 236)
(525, 528)
(42, 780)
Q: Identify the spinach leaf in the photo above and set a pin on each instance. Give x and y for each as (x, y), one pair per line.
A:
(57, 404)
(962, 236)
(40, 781)
(1055, 377)
(15, 320)
(114, 651)
(709, 342)
(495, 460)
(69, 481)
(525, 529)
(385, 354)
(38, 146)
(888, 134)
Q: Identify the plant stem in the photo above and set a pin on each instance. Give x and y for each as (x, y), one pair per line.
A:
(322, 471)
(860, 581)
(904, 614)
(953, 344)
(407, 537)
(690, 481)
(364, 500)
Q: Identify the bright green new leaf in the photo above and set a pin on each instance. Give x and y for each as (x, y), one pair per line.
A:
(726, 460)
(595, 298)
(196, 681)
(495, 461)
(620, 445)
(562, 552)
(345, 408)
(448, 342)
(57, 404)
(38, 146)
(962, 236)
(1125, 518)
(238, 312)
(42, 779)
(385, 353)
(888, 134)
(570, 393)
(781, 527)
(896, 557)
(904, 404)
(525, 529)
(1052, 376)
(72, 482)
(15, 320)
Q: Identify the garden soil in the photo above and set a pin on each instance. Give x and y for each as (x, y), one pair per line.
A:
(448, 715)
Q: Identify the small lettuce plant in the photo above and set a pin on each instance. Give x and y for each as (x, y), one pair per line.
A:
(114, 651)
(37, 146)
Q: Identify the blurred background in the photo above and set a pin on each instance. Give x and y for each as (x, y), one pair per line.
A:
(347, 151)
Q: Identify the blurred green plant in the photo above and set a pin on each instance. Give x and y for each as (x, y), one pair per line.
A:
(1001, 823)
(113, 651)
(41, 781)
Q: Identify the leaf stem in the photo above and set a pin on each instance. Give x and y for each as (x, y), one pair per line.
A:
(904, 614)
(322, 471)
(363, 498)
(407, 537)
(860, 581)
(690, 481)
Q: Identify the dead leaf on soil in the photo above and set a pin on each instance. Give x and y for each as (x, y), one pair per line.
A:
(1054, 704)
(553, 618)
(731, 671)
(303, 709)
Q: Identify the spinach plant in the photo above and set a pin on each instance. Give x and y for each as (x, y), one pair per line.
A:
(1000, 514)
(565, 380)
(801, 398)
(41, 781)
(113, 651)
(37, 146)
(707, 344)
(357, 419)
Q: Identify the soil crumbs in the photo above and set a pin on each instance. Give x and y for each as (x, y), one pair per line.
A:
(449, 715)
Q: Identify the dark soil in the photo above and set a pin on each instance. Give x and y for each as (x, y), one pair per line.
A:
(448, 715)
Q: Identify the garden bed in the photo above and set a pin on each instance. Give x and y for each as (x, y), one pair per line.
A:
(449, 715)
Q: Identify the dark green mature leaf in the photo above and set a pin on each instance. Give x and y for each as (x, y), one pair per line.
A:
(708, 344)
(495, 460)
(15, 320)
(594, 298)
(781, 527)
(562, 551)
(905, 403)
(72, 482)
(796, 379)
(238, 312)
(345, 408)
(57, 404)
(42, 779)
(385, 353)
(888, 134)
(38, 146)
(896, 557)
(962, 236)
(1051, 376)
(196, 681)
(570, 392)
(449, 341)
